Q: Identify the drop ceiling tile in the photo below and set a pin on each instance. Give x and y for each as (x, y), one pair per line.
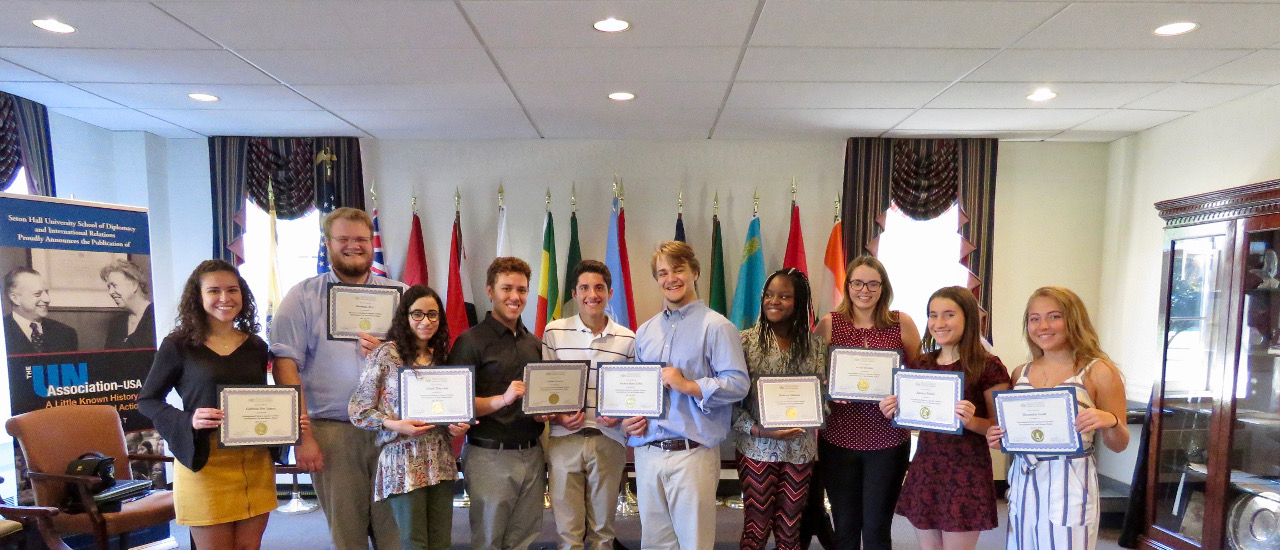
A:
(997, 119)
(898, 24)
(1130, 120)
(13, 73)
(1100, 65)
(312, 24)
(833, 95)
(859, 64)
(558, 23)
(258, 123)
(1042, 135)
(569, 65)
(1092, 136)
(1132, 25)
(126, 120)
(630, 122)
(231, 97)
(398, 66)
(738, 123)
(594, 96)
(138, 66)
(1193, 97)
(408, 97)
(1261, 67)
(99, 24)
(444, 124)
(1013, 95)
(57, 94)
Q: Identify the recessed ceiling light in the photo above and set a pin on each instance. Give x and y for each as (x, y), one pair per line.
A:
(53, 25)
(612, 25)
(1042, 94)
(622, 96)
(1174, 29)
(203, 97)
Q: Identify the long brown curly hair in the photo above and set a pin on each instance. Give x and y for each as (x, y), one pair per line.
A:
(192, 323)
(406, 339)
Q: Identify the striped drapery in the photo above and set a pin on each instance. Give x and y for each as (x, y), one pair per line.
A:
(228, 157)
(30, 120)
(10, 155)
(285, 164)
(923, 177)
(339, 175)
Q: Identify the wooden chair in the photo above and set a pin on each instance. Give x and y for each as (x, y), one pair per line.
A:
(52, 438)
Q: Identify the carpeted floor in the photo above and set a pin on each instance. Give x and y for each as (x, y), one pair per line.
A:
(309, 532)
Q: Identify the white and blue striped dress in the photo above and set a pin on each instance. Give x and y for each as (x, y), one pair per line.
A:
(1053, 500)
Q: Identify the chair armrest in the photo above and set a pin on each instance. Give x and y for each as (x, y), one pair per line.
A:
(19, 513)
(83, 481)
(39, 517)
(151, 458)
(290, 469)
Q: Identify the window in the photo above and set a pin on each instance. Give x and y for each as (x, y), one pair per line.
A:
(296, 244)
(921, 257)
(17, 185)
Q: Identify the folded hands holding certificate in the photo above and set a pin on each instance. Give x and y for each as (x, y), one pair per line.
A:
(928, 400)
(254, 415)
(1041, 422)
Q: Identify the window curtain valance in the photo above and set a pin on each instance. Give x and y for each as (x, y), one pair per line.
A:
(24, 141)
(924, 177)
(303, 173)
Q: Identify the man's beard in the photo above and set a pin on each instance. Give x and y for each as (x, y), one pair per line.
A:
(350, 268)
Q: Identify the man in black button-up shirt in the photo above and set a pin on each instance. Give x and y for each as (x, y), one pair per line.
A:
(503, 464)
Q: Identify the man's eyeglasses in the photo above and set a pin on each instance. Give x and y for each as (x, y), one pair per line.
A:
(418, 315)
(344, 241)
(858, 284)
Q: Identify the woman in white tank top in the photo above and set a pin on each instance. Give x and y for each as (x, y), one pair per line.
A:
(1053, 500)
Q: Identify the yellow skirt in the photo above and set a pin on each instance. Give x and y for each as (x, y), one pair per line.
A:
(235, 484)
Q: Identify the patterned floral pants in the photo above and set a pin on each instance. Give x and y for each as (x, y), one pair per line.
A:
(774, 495)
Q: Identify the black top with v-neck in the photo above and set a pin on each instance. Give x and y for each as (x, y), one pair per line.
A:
(196, 372)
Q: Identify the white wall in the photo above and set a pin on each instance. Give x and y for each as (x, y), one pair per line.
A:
(83, 159)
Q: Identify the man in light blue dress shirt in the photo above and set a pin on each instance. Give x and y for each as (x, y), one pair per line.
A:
(677, 459)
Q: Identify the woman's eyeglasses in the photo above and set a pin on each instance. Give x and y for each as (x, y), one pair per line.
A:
(858, 284)
(418, 315)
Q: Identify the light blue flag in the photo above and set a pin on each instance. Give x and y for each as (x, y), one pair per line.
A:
(617, 308)
(746, 297)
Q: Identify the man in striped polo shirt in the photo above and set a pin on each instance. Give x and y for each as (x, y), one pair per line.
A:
(586, 453)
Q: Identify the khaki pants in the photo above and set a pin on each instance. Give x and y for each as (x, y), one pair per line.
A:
(677, 497)
(506, 489)
(585, 474)
(345, 488)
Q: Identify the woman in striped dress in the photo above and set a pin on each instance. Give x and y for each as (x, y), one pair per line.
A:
(1053, 500)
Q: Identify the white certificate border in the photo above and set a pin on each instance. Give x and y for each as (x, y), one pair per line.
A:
(817, 395)
(857, 396)
(357, 289)
(952, 426)
(1007, 396)
(581, 404)
(602, 368)
(224, 438)
(470, 373)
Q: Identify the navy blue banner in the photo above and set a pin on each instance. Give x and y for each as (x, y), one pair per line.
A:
(29, 223)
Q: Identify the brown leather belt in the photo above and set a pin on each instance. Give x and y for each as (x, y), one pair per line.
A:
(674, 444)
(500, 446)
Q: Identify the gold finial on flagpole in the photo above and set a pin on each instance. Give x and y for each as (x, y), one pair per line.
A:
(755, 202)
(548, 199)
(499, 193)
(622, 195)
(715, 205)
(837, 207)
(793, 189)
(327, 157)
(373, 192)
(680, 203)
(413, 203)
(573, 197)
(457, 200)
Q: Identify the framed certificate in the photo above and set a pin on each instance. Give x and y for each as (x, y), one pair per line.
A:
(360, 308)
(625, 390)
(439, 395)
(927, 400)
(861, 374)
(789, 401)
(1039, 422)
(555, 387)
(258, 415)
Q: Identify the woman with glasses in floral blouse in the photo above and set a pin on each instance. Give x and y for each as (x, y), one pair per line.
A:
(416, 467)
(776, 464)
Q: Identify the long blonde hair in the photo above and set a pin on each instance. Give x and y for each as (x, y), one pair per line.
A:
(1081, 336)
(880, 314)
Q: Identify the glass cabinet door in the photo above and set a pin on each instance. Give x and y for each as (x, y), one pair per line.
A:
(1195, 310)
(1253, 492)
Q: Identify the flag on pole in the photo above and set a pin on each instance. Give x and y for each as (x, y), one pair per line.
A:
(626, 266)
(833, 278)
(575, 257)
(379, 265)
(680, 228)
(615, 257)
(273, 262)
(716, 301)
(460, 307)
(322, 253)
(548, 293)
(415, 260)
(795, 244)
(746, 297)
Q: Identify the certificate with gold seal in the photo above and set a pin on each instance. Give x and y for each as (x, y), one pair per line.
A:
(555, 387)
(789, 401)
(258, 415)
(624, 390)
(861, 374)
(360, 308)
(1041, 422)
(438, 395)
(927, 400)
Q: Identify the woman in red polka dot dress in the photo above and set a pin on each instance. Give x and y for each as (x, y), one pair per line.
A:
(861, 456)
